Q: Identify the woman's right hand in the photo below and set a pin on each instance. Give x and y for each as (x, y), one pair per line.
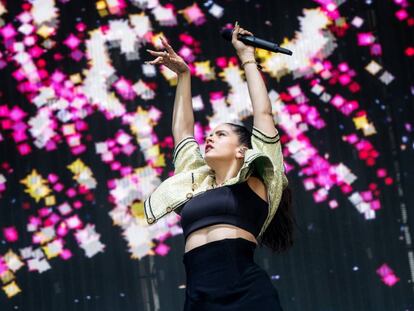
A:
(169, 59)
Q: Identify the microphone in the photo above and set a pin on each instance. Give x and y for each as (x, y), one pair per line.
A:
(256, 42)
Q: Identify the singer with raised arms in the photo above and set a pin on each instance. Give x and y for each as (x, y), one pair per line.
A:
(232, 200)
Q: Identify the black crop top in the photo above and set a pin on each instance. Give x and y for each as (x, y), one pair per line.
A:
(236, 204)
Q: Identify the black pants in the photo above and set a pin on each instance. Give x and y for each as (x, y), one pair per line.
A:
(223, 276)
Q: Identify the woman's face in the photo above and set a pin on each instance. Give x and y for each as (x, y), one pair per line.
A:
(224, 144)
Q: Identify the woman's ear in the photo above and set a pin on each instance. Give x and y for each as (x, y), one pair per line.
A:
(242, 151)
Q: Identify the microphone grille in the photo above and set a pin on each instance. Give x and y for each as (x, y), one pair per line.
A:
(226, 33)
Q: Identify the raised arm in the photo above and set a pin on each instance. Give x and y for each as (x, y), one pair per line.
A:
(262, 108)
(265, 136)
(186, 155)
(183, 117)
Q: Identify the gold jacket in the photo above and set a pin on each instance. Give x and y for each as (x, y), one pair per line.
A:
(192, 176)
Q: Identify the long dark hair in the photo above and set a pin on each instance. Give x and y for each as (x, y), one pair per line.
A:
(278, 236)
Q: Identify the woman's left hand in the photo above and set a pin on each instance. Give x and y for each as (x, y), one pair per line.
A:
(169, 59)
(245, 52)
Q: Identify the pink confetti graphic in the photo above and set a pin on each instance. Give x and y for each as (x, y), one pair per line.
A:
(85, 131)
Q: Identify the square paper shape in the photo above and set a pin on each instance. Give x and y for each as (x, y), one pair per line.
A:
(373, 68)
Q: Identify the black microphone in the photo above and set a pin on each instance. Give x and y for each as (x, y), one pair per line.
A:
(256, 42)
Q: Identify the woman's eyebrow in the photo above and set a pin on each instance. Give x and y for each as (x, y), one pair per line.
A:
(218, 131)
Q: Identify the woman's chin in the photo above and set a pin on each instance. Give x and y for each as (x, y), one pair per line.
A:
(208, 159)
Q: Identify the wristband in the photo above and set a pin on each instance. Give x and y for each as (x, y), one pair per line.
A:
(252, 61)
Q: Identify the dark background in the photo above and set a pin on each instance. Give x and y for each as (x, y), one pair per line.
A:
(318, 272)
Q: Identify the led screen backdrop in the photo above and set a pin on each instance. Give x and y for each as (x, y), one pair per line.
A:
(85, 136)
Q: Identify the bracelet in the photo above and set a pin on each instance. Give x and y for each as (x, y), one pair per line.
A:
(252, 61)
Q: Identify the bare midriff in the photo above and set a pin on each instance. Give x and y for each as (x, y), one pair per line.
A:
(214, 233)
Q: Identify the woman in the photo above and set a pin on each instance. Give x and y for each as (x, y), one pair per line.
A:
(236, 190)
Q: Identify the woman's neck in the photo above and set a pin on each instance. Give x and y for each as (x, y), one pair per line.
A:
(221, 176)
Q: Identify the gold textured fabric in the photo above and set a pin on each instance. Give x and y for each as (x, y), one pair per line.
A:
(192, 176)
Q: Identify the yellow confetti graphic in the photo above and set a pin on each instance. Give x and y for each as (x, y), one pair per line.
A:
(137, 209)
(36, 186)
(52, 249)
(77, 167)
(204, 70)
(82, 174)
(229, 71)
(169, 75)
(369, 129)
(101, 7)
(76, 78)
(11, 289)
(45, 31)
(13, 261)
(360, 122)
(7, 276)
(50, 200)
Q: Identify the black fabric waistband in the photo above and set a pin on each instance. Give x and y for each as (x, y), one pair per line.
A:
(235, 251)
